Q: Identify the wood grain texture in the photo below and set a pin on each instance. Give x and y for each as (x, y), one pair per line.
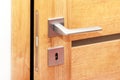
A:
(50, 9)
(99, 61)
(20, 40)
(87, 13)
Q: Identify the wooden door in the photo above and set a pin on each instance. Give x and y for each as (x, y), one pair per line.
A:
(20, 40)
(87, 56)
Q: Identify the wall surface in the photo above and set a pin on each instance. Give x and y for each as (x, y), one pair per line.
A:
(5, 39)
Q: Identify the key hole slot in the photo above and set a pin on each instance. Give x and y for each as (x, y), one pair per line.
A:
(56, 56)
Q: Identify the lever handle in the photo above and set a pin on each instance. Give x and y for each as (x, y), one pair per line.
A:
(59, 28)
(56, 27)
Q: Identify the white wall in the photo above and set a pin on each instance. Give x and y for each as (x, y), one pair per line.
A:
(5, 39)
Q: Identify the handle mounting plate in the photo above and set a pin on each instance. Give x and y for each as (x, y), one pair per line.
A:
(51, 32)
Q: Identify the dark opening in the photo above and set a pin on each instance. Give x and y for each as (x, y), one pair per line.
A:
(31, 39)
(56, 56)
(95, 40)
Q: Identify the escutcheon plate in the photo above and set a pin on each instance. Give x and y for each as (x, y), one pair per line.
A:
(56, 56)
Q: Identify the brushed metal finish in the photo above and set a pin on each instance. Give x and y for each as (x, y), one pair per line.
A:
(37, 42)
(51, 21)
(56, 28)
(56, 56)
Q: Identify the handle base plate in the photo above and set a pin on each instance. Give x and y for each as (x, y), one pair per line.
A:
(51, 32)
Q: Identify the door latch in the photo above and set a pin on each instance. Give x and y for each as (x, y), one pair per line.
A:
(37, 42)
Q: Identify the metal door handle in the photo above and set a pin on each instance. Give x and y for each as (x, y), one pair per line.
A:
(56, 27)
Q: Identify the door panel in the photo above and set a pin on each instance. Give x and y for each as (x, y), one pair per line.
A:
(49, 9)
(86, 13)
(99, 61)
(20, 40)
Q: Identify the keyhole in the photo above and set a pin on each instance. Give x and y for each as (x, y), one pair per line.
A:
(56, 56)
